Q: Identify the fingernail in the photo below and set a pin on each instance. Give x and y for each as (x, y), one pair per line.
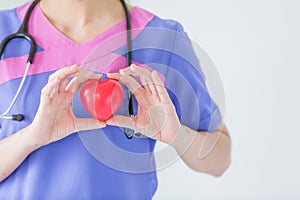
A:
(74, 66)
(102, 124)
(122, 71)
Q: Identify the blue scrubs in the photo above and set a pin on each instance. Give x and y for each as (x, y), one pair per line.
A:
(99, 164)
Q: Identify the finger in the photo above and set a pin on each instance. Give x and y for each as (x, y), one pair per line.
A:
(55, 89)
(139, 71)
(122, 121)
(160, 88)
(145, 84)
(64, 76)
(49, 90)
(151, 87)
(125, 71)
(81, 77)
(83, 124)
(145, 76)
(87, 74)
(63, 84)
(66, 71)
(116, 76)
(93, 76)
(73, 86)
(132, 84)
(143, 80)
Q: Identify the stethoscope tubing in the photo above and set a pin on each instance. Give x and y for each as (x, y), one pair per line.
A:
(4, 115)
(23, 33)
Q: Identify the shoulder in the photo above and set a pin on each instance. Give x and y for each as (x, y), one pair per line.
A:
(156, 21)
(7, 17)
(9, 22)
(10, 19)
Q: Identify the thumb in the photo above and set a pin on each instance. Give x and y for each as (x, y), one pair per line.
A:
(83, 124)
(122, 121)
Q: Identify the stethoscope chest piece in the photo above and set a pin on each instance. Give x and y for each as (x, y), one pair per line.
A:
(130, 133)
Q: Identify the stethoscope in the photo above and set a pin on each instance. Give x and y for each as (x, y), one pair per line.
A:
(23, 33)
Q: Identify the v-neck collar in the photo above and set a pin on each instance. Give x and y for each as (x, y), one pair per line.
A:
(47, 36)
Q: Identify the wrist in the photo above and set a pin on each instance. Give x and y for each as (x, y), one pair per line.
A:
(172, 132)
(183, 139)
(30, 141)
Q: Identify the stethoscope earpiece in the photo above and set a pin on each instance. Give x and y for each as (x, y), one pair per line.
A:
(18, 117)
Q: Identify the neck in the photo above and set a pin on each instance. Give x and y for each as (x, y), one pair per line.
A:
(81, 11)
(82, 19)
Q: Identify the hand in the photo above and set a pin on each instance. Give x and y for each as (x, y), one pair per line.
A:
(55, 119)
(156, 117)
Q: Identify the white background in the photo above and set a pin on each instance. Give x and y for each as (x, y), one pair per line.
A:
(256, 47)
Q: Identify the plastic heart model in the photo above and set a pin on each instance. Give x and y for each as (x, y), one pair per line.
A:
(102, 98)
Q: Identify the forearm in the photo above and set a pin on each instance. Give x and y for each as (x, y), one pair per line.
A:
(13, 151)
(204, 152)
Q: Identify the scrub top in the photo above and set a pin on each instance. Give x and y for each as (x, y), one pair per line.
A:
(103, 163)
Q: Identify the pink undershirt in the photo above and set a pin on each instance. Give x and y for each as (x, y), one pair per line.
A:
(59, 51)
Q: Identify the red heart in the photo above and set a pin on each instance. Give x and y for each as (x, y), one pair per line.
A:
(102, 98)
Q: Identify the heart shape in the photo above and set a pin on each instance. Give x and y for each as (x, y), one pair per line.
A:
(102, 98)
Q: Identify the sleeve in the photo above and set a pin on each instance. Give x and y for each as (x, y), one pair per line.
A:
(187, 88)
